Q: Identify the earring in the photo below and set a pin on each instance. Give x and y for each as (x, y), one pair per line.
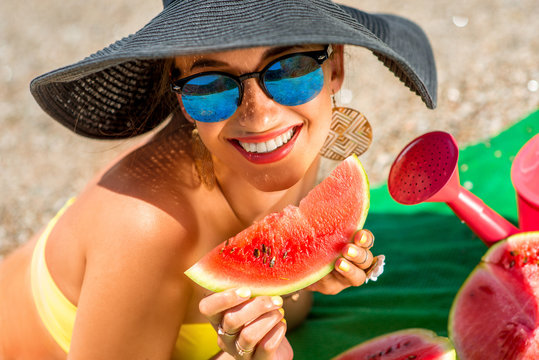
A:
(350, 133)
(202, 159)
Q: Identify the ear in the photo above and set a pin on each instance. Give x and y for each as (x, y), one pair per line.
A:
(336, 61)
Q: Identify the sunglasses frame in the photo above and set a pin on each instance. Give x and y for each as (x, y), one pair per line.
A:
(320, 56)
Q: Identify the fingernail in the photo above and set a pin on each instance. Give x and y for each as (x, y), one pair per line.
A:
(363, 239)
(352, 252)
(281, 310)
(243, 292)
(277, 300)
(344, 266)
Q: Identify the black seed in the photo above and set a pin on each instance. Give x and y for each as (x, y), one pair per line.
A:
(411, 357)
(264, 259)
(264, 249)
(226, 242)
(232, 250)
(272, 262)
(256, 253)
(269, 251)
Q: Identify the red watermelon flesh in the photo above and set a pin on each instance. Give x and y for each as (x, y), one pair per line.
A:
(291, 249)
(495, 313)
(409, 344)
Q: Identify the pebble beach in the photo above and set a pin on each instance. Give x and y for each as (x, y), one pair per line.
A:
(487, 55)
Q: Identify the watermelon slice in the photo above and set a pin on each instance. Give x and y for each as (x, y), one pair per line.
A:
(495, 314)
(289, 250)
(416, 344)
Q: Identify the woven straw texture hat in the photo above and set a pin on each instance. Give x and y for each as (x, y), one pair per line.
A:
(114, 93)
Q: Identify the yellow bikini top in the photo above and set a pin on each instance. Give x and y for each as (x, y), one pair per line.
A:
(195, 341)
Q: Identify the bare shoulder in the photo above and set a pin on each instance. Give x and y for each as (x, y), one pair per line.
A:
(144, 202)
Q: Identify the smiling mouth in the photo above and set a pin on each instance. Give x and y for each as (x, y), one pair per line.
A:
(270, 145)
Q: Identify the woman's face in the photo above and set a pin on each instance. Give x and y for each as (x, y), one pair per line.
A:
(268, 144)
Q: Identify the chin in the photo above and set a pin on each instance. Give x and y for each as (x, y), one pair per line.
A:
(284, 176)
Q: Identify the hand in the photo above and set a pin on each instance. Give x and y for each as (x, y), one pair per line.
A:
(349, 269)
(248, 328)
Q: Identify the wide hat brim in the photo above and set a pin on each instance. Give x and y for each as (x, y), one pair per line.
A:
(112, 93)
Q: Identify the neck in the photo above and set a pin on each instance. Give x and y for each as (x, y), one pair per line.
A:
(250, 204)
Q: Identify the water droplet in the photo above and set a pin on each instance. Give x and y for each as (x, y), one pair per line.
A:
(453, 94)
(468, 185)
(460, 21)
(533, 85)
(498, 153)
(464, 167)
(346, 96)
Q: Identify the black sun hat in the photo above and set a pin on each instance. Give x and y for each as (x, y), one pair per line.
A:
(114, 93)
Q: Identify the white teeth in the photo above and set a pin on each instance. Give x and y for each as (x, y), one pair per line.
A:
(270, 145)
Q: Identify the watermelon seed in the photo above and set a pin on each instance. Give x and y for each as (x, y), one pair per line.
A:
(411, 357)
(525, 260)
(511, 264)
(272, 262)
(264, 259)
(226, 242)
(269, 251)
(256, 253)
(264, 249)
(233, 249)
(285, 254)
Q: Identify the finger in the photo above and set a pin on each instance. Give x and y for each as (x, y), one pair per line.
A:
(272, 343)
(364, 238)
(250, 336)
(354, 275)
(239, 316)
(214, 305)
(357, 255)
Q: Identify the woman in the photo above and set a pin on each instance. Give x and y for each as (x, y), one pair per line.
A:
(249, 85)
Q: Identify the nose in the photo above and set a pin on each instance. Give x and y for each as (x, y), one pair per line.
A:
(256, 111)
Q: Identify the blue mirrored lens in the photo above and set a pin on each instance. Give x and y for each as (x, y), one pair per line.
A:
(294, 80)
(210, 98)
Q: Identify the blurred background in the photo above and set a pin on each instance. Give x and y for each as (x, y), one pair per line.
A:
(487, 54)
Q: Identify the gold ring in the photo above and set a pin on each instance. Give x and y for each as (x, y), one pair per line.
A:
(221, 331)
(242, 351)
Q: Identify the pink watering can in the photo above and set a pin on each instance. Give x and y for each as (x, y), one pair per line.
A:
(426, 170)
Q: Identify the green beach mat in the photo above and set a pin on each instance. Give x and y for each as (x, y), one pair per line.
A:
(429, 254)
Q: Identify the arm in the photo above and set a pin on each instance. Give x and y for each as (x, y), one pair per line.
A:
(134, 292)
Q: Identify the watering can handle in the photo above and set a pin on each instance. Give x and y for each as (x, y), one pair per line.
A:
(482, 220)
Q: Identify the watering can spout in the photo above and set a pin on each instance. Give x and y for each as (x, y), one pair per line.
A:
(488, 225)
(426, 170)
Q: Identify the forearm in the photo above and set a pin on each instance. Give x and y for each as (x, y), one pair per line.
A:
(297, 306)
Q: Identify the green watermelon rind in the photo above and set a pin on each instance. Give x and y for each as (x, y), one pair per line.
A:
(491, 257)
(428, 336)
(214, 284)
(217, 284)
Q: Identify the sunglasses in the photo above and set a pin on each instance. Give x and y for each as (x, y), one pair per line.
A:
(214, 96)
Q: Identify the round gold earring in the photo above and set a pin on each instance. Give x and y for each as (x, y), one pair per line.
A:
(350, 133)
